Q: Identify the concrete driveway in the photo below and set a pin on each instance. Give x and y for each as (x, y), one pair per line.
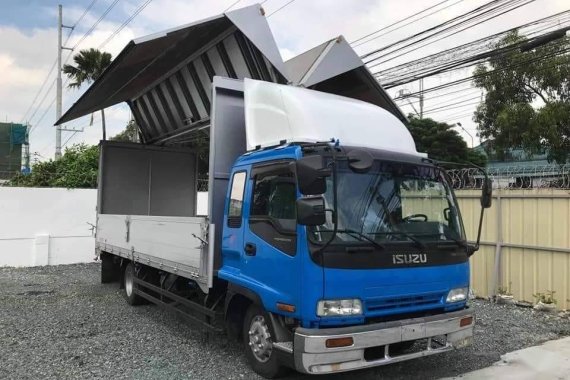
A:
(550, 360)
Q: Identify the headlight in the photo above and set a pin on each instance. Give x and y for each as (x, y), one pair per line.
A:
(458, 294)
(329, 308)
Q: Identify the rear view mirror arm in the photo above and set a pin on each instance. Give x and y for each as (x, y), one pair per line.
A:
(486, 183)
(334, 209)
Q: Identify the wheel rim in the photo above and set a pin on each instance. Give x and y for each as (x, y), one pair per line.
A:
(129, 282)
(260, 339)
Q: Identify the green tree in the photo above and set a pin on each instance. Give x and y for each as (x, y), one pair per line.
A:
(527, 101)
(130, 133)
(77, 168)
(442, 143)
(89, 65)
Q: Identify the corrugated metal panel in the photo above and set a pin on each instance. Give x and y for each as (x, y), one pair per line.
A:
(533, 229)
(184, 97)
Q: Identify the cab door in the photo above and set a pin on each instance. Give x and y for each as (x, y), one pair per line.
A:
(271, 264)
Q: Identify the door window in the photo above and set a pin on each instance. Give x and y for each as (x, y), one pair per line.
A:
(273, 213)
(236, 200)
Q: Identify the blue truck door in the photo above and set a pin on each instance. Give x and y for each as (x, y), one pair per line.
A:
(270, 261)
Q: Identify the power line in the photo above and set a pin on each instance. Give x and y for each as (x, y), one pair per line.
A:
(478, 58)
(454, 58)
(508, 67)
(69, 138)
(402, 26)
(456, 32)
(42, 101)
(40, 90)
(472, 91)
(73, 48)
(449, 107)
(51, 70)
(272, 13)
(84, 13)
(55, 61)
(447, 118)
(231, 6)
(105, 13)
(125, 23)
(43, 115)
(488, 9)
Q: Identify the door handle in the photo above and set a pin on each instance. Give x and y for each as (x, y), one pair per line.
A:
(250, 249)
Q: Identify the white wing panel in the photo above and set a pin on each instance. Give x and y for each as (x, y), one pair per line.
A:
(276, 112)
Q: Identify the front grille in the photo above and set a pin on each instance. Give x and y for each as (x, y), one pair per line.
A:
(404, 302)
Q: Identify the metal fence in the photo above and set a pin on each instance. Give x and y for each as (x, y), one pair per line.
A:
(525, 244)
(514, 177)
(202, 184)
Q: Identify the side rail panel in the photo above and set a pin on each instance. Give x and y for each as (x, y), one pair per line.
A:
(174, 244)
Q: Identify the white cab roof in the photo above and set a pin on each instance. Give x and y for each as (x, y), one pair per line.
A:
(275, 112)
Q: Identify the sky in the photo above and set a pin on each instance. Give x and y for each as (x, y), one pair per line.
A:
(28, 47)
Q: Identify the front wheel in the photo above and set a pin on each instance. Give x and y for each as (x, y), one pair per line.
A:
(258, 344)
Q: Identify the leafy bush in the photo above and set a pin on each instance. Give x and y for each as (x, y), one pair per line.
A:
(77, 168)
(547, 297)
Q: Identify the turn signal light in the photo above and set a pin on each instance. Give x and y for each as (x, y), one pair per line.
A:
(286, 307)
(339, 342)
(465, 321)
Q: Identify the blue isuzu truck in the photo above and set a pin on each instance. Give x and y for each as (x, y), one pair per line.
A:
(324, 242)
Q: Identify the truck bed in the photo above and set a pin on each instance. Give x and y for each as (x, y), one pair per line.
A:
(175, 244)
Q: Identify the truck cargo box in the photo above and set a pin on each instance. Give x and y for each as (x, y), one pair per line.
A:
(147, 208)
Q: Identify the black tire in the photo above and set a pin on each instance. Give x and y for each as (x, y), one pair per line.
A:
(129, 287)
(268, 366)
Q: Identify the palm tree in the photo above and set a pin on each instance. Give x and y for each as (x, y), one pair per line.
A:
(89, 65)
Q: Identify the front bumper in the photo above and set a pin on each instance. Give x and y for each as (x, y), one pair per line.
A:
(313, 357)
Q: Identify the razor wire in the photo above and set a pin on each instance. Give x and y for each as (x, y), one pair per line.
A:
(513, 177)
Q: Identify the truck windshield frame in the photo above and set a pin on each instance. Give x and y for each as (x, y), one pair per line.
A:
(392, 203)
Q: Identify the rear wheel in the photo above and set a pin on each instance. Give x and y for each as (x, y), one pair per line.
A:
(129, 286)
(258, 344)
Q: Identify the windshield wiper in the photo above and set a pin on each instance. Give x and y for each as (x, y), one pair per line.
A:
(417, 241)
(358, 235)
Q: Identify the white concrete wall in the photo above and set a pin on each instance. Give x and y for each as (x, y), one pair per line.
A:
(50, 226)
(46, 226)
(202, 203)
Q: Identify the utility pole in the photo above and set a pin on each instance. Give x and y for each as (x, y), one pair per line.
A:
(466, 131)
(421, 98)
(405, 94)
(58, 101)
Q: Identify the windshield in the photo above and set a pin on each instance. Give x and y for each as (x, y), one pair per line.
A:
(392, 202)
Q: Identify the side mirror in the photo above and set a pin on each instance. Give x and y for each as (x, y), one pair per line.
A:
(311, 175)
(311, 211)
(487, 193)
